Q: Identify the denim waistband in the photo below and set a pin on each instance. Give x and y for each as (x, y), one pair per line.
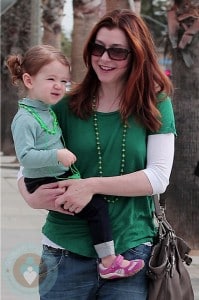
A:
(64, 252)
(58, 251)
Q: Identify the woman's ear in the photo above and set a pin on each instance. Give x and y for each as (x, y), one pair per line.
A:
(27, 79)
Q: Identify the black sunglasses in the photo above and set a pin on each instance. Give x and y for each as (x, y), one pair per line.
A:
(113, 52)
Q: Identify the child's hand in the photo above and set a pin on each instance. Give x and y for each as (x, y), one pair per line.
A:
(66, 157)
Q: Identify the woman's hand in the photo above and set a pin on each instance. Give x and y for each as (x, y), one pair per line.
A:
(44, 197)
(77, 195)
(79, 192)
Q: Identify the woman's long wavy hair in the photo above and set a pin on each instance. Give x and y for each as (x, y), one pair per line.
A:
(145, 78)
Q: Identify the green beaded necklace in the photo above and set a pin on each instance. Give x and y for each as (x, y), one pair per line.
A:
(35, 114)
(99, 152)
(37, 117)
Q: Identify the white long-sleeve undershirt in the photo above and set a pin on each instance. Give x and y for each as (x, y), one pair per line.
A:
(160, 154)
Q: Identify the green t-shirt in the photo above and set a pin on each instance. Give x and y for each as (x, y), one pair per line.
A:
(132, 218)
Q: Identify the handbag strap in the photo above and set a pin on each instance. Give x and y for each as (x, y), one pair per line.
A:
(164, 227)
(159, 209)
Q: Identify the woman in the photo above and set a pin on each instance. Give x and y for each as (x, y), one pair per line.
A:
(119, 123)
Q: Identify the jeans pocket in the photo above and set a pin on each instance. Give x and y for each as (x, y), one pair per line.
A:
(140, 252)
(48, 268)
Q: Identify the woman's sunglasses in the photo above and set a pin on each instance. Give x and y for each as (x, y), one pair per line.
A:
(113, 52)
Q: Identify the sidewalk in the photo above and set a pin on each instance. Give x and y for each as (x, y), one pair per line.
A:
(20, 237)
(21, 240)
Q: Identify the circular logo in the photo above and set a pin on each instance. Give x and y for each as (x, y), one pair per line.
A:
(21, 269)
(27, 271)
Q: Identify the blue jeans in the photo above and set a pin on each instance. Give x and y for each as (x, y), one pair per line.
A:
(67, 276)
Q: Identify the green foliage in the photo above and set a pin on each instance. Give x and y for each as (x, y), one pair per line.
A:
(66, 46)
(154, 13)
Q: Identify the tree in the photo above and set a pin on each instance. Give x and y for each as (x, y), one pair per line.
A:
(86, 14)
(117, 4)
(15, 38)
(154, 14)
(183, 193)
(125, 4)
(52, 16)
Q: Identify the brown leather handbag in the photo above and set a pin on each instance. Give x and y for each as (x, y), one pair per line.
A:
(168, 276)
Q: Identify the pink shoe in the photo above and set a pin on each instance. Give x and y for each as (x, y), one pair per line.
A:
(117, 271)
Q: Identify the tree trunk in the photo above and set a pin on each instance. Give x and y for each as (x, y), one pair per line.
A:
(126, 4)
(183, 193)
(35, 22)
(85, 17)
(16, 28)
(52, 18)
(117, 4)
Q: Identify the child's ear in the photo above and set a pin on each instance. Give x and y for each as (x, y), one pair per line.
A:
(27, 79)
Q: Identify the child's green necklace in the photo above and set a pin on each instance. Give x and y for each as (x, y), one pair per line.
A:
(37, 117)
(35, 114)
